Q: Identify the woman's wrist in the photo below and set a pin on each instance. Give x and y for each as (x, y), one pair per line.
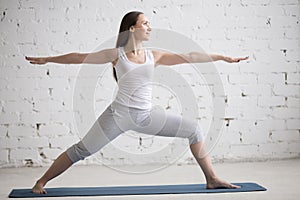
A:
(218, 57)
(222, 58)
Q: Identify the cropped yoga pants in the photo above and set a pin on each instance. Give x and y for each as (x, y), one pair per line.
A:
(118, 119)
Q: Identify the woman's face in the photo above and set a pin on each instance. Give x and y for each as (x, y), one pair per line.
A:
(142, 28)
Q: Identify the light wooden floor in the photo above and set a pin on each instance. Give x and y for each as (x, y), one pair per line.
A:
(281, 178)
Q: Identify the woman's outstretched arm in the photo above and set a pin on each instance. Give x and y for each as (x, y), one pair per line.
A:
(100, 57)
(164, 58)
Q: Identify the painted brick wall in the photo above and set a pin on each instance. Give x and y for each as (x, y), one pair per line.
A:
(43, 109)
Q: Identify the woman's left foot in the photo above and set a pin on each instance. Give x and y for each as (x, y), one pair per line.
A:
(218, 183)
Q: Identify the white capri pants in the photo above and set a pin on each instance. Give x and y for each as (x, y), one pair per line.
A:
(117, 119)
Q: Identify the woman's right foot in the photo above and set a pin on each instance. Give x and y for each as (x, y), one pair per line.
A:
(38, 188)
(218, 183)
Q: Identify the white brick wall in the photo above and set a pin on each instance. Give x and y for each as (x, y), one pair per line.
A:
(38, 119)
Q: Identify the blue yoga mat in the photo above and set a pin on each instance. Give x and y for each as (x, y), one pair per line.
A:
(132, 190)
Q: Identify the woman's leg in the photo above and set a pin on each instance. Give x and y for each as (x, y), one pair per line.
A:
(203, 159)
(101, 133)
(61, 164)
(171, 125)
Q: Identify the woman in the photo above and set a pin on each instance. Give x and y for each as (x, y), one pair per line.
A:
(132, 110)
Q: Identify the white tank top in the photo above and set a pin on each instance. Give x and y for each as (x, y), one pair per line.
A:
(134, 81)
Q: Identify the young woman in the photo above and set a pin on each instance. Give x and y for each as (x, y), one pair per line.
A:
(132, 110)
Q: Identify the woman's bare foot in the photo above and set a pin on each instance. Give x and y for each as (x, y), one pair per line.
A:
(218, 183)
(38, 188)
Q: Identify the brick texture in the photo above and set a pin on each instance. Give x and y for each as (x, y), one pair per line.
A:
(45, 109)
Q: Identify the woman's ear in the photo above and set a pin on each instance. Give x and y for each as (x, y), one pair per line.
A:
(131, 29)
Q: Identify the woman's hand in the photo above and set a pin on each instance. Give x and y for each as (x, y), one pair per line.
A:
(233, 60)
(36, 60)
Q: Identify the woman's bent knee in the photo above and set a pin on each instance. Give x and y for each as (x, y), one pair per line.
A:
(77, 152)
(197, 136)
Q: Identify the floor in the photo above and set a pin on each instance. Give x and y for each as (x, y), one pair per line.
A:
(281, 178)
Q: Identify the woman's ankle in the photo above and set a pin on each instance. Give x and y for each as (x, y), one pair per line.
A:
(211, 179)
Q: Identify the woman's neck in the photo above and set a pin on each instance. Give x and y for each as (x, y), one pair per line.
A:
(133, 46)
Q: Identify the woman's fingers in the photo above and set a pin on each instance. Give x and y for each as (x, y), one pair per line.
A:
(245, 58)
(36, 60)
(232, 60)
(30, 58)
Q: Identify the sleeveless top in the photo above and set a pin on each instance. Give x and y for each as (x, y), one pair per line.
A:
(134, 81)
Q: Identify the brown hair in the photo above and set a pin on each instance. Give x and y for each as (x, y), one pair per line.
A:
(128, 20)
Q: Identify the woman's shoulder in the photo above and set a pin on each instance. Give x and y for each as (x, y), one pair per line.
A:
(156, 54)
(115, 53)
(112, 51)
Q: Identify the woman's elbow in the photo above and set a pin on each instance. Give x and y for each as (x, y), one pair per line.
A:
(79, 58)
(190, 57)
